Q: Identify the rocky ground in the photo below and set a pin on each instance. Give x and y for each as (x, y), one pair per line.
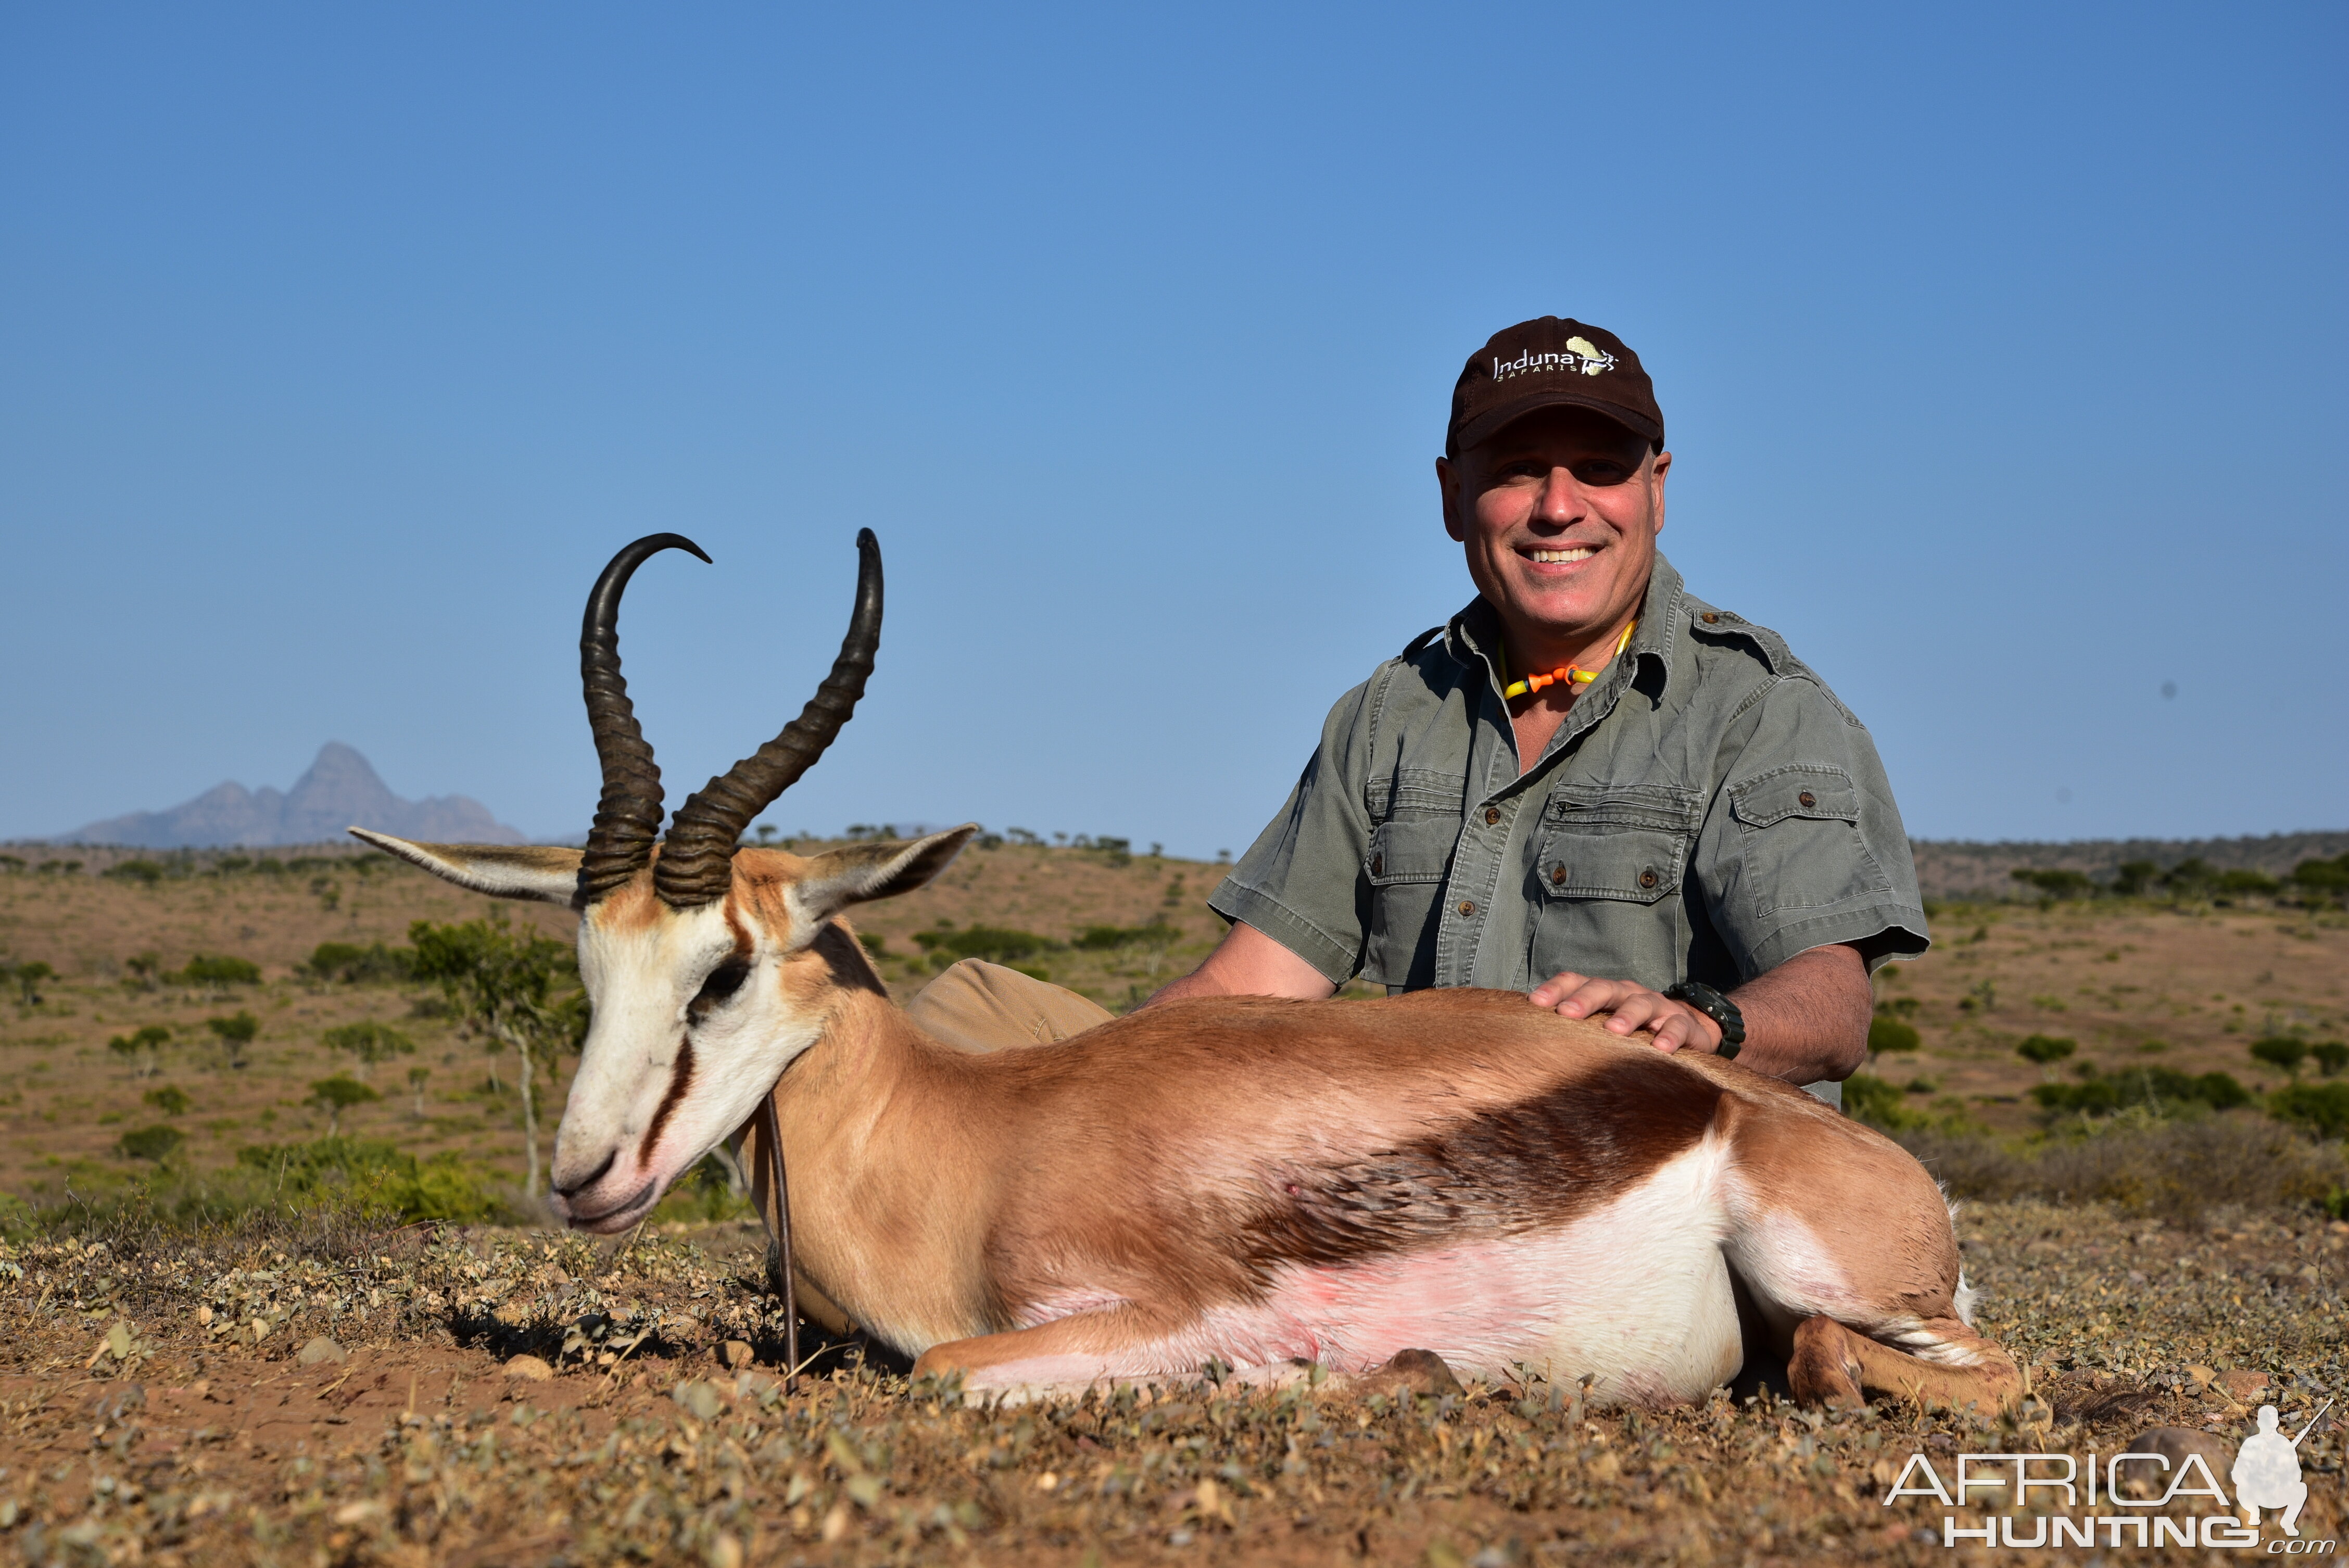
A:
(321, 1392)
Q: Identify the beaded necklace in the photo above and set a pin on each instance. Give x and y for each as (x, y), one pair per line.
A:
(1574, 673)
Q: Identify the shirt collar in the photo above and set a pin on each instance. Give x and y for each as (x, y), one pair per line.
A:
(1473, 636)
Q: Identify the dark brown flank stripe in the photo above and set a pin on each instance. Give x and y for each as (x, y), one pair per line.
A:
(680, 1079)
(1534, 1165)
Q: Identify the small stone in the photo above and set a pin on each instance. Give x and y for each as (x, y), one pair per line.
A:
(529, 1366)
(735, 1354)
(1417, 1372)
(2243, 1386)
(699, 1400)
(2143, 1478)
(319, 1350)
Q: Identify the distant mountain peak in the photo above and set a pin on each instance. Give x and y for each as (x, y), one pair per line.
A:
(340, 789)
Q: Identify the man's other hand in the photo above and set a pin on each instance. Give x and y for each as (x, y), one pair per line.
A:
(1675, 1025)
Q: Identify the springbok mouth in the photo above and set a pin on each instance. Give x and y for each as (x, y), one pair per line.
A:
(620, 1215)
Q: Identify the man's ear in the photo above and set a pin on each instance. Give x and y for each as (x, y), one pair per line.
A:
(546, 873)
(861, 873)
(1444, 471)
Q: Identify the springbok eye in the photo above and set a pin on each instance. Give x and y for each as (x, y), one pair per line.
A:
(720, 988)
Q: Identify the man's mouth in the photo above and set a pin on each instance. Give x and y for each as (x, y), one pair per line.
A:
(1560, 557)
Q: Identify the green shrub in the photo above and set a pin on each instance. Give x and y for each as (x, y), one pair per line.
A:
(337, 1094)
(29, 977)
(2324, 877)
(2248, 881)
(155, 1143)
(2046, 1050)
(147, 872)
(2158, 1091)
(218, 970)
(1106, 938)
(376, 1172)
(2281, 1052)
(2331, 1056)
(2321, 1109)
(368, 1042)
(1892, 1035)
(1872, 1099)
(2173, 1168)
(373, 966)
(997, 944)
(2055, 883)
(170, 1099)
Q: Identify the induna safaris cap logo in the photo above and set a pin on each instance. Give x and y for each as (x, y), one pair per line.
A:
(2053, 1500)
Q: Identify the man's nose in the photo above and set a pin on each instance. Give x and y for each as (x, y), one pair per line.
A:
(1561, 499)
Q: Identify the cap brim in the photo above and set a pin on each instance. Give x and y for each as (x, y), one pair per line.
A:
(1508, 413)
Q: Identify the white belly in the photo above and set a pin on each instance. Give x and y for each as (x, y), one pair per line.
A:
(1636, 1295)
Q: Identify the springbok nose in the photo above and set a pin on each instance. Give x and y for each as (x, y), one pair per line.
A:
(573, 1189)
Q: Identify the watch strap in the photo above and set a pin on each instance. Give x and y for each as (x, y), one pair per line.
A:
(1719, 1008)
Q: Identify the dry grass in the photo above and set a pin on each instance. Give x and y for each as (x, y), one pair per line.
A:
(205, 1445)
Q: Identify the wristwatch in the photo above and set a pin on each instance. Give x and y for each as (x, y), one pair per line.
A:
(1719, 1008)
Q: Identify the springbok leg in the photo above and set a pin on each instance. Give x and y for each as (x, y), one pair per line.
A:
(1835, 1365)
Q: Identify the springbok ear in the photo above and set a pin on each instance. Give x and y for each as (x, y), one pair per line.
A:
(546, 873)
(861, 873)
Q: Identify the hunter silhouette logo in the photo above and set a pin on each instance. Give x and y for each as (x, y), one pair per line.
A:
(2122, 1510)
(2267, 1470)
(1581, 355)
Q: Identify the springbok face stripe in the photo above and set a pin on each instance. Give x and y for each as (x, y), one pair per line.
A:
(680, 1080)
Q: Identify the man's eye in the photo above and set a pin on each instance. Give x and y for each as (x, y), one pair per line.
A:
(1601, 471)
(723, 981)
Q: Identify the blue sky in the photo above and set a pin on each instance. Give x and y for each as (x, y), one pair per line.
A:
(2001, 351)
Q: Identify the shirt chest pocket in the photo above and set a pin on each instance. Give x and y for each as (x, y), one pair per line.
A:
(1414, 827)
(1607, 869)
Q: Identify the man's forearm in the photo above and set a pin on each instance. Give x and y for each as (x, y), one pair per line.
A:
(1807, 1019)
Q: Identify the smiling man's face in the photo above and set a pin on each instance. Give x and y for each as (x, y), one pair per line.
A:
(1559, 511)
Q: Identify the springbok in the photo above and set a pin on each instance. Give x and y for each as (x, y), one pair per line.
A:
(1248, 1180)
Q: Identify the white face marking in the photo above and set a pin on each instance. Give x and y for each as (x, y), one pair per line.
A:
(643, 984)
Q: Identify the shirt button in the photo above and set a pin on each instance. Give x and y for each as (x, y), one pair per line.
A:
(1378, 865)
(1807, 798)
(1648, 878)
(1710, 617)
(1558, 876)
(1491, 816)
(1467, 906)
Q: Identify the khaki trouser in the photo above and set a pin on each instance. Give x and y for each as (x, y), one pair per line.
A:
(973, 1007)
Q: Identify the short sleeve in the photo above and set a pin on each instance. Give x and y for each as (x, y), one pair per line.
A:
(1302, 883)
(1802, 845)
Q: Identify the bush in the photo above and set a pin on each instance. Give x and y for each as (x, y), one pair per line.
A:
(2158, 1091)
(29, 977)
(2046, 1050)
(234, 1033)
(1872, 1099)
(374, 965)
(997, 944)
(1105, 938)
(2248, 881)
(170, 1099)
(376, 1172)
(2321, 1109)
(2331, 1056)
(2281, 1052)
(370, 1042)
(2171, 1169)
(217, 970)
(2056, 884)
(1892, 1035)
(155, 1143)
(147, 872)
(2326, 877)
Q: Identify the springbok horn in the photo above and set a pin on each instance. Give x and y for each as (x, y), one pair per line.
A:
(696, 863)
(628, 813)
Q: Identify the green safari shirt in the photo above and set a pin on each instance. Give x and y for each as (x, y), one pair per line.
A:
(1707, 811)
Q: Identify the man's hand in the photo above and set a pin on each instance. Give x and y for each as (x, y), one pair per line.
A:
(1674, 1025)
(1806, 1020)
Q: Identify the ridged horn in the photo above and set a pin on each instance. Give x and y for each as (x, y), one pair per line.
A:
(628, 813)
(696, 865)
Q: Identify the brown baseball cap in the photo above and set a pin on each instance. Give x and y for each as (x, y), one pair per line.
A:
(1542, 363)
